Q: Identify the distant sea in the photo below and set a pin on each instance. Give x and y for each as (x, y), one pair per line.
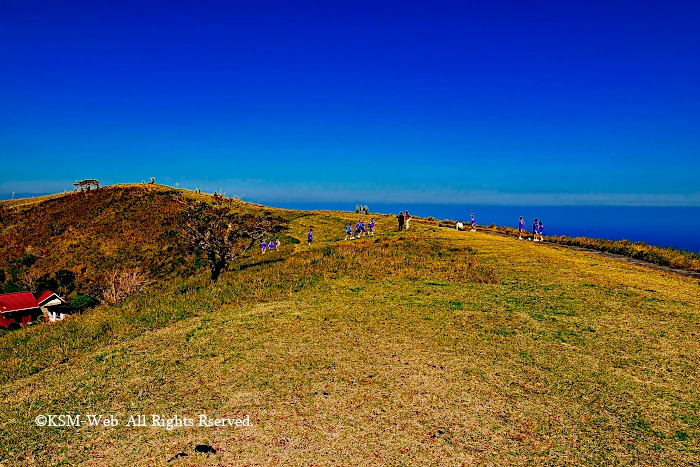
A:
(677, 227)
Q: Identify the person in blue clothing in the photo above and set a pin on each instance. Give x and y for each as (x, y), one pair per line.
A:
(348, 232)
(535, 229)
(521, 227)
(277, 244)
(371, 227)
(263, 245)
(473, 223)
(310, 236)
(541, 231)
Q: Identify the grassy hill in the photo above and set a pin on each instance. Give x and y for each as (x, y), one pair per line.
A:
(425, 347)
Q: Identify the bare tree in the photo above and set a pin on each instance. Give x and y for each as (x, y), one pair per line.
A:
(224, 235)
(119, 284)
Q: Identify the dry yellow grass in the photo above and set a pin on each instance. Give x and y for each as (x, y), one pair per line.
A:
(392, 352)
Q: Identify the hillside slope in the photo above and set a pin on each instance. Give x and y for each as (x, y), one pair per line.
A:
(94, 233)
(426, 347)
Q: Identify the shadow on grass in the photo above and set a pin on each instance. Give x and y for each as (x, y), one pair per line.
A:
(261, 262)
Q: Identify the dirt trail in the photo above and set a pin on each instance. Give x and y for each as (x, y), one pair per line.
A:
(624, 259)
(627, 259)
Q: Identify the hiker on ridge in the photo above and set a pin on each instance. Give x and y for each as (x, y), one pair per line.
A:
(521, 227)
(535, 229)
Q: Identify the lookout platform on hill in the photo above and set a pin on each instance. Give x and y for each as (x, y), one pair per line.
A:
(87, 184)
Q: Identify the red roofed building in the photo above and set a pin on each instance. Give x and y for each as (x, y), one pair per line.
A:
(54, 306)
(18, 309)
(49, 298)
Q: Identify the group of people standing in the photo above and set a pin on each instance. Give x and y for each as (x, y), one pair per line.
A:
(537, 230)
(404, 220)
(271, 245)
(359, 208)
(359, 230)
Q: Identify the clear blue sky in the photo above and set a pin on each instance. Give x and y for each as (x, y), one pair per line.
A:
(451, 102)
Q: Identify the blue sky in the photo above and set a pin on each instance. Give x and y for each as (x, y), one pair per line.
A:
(444, 102)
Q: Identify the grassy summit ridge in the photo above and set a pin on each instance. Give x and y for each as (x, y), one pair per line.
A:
(428, 347)
(94, 232)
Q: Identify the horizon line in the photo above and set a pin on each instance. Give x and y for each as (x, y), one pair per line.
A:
(480, 198)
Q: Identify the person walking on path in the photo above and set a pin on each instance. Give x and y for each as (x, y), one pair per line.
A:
(408, 218)
(263, 246)
(541, 231)
(400, 218)
(310, 236)
(371, 227)
(473, 223)
(521, 227)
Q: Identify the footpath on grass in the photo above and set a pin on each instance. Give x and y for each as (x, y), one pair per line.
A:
(616, 257)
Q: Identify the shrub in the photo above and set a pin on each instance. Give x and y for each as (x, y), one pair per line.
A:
(28, 259)
(122, 283)
(12, 287)
(80, 302)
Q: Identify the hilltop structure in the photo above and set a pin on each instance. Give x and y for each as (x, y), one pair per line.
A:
(86, 184)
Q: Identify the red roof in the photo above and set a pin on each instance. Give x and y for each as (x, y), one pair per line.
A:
(17, 301)
(46, 295)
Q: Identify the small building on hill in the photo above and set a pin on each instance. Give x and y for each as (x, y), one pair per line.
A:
(85, 185)
(53, 306)
(18, 309)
